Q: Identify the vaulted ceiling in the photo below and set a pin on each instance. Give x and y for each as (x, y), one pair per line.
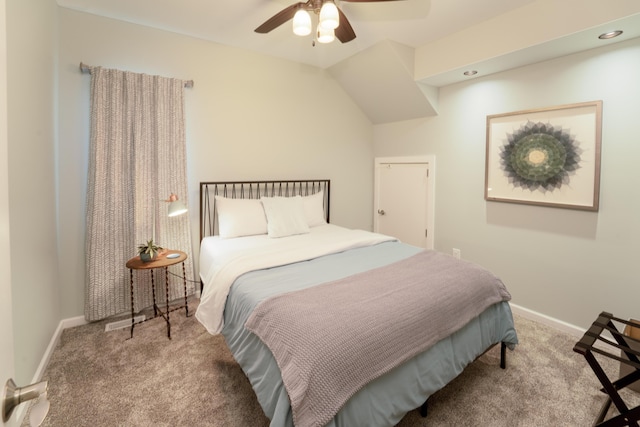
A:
(404, 50)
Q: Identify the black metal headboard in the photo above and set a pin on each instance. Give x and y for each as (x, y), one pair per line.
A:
(254, 190)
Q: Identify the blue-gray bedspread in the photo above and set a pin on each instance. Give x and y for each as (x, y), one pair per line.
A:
(384, 401)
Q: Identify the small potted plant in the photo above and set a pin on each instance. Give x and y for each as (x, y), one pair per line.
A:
(148, 251)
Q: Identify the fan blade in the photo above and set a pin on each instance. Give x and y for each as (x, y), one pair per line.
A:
(279, 18)
(344, 32)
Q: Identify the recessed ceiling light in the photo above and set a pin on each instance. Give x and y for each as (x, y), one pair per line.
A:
(610, 35)
(470, 73)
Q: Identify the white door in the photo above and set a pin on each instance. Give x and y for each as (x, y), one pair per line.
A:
(6, 323)
(402, 202)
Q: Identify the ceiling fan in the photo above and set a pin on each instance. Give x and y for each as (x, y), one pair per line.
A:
(332, 23)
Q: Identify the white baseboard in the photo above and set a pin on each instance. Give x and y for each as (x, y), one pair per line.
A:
(21, 410)
(64, 324)
(547, 320)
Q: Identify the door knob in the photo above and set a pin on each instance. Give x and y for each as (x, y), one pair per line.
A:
(381, 212)
(13, 396)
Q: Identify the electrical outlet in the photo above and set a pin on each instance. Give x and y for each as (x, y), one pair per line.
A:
(456, 253)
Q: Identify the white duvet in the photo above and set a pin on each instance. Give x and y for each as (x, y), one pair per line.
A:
(223, 260)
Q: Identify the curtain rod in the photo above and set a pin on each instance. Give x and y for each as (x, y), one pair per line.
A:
(87, 69)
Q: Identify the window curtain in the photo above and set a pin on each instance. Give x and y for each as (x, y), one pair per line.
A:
(137, 159)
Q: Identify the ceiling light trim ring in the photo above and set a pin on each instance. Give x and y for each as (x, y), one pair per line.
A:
(610, 34)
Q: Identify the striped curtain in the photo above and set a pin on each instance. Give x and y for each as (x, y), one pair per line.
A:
(137, 159)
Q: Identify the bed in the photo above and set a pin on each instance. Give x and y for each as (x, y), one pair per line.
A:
(337, 327)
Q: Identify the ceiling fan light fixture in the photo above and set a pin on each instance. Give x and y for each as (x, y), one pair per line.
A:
(325, 35)
(302, 23)
(329, 18)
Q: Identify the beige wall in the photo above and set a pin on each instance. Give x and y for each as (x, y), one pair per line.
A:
(248, 117)
(6, 310)
(32, 180)
(567, 264)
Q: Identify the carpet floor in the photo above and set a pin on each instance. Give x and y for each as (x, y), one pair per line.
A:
(99, 378)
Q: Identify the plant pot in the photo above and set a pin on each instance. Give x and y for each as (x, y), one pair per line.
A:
(145, 257)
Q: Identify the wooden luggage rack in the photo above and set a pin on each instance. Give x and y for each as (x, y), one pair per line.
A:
(586, 347)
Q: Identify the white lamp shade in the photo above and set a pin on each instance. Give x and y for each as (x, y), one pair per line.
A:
(325, 35)
(302, 23)
(329, 18)
(176, 208)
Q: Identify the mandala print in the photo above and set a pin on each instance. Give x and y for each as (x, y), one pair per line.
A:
(540, 157)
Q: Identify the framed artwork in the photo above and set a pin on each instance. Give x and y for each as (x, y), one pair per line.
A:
(548, 156)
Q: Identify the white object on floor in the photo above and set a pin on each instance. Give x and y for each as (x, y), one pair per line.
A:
(39, 411)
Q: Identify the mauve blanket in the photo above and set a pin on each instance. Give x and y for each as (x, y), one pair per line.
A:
(332, 339)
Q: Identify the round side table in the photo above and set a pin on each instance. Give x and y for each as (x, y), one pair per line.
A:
(162, 261)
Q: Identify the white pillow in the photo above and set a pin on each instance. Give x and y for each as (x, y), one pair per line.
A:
(285, 216)
(313, 209)
(240, 217)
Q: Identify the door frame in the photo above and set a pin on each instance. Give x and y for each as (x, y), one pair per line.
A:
(430, 160)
